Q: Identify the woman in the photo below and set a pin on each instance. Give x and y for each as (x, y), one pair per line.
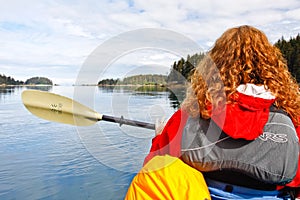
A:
(239, 121)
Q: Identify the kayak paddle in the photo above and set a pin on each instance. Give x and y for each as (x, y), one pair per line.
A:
(57, 108)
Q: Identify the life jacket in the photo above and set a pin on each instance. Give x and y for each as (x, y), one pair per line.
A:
(271, 158)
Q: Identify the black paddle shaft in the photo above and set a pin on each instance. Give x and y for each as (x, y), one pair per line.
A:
(121, 120)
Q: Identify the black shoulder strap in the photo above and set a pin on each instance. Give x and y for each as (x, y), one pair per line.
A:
(273, 108)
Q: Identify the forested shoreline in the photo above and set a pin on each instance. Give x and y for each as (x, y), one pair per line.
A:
(182, 69)
(291, 52)
(7, 80)
(145, 79)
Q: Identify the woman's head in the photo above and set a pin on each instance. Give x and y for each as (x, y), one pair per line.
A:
(241, 55)
(244, 55)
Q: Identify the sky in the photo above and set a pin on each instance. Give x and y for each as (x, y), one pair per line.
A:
(56, 38)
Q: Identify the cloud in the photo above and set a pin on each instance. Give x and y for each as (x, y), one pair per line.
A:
(293, 14)
(62, 33)
(143, 61)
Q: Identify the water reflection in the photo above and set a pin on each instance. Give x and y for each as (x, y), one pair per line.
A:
(152, 88)
(7, 90)
(176, 94)
(46, 88)
(146, 89)
(106, 89)
(11, 89)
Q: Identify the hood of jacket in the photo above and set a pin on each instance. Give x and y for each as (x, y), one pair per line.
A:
(247, 116)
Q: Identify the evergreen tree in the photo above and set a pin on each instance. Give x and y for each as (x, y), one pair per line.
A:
(183, 69)
(9, 80)
(291, 52)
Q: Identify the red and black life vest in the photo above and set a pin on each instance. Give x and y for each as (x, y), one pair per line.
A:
(271, 158)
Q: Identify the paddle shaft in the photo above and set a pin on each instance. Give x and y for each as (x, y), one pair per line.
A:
(57, 108)
(121, 120)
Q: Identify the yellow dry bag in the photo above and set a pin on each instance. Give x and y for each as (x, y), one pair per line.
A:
(166, 177)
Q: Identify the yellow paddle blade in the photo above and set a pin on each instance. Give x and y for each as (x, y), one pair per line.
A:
(58, 108)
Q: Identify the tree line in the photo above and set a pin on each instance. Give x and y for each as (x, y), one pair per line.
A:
(183, 68)
(146, 79)
(291, 52)
(7, 80)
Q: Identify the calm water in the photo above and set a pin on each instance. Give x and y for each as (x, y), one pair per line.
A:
(47, 160)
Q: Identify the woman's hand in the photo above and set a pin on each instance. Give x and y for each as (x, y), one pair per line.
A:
(159, 125)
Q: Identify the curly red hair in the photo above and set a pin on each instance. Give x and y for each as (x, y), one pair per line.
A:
(241, 55)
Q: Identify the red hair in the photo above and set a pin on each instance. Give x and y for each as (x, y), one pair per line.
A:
(241, 55)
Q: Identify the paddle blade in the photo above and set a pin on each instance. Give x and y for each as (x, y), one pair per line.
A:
(56, 108)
